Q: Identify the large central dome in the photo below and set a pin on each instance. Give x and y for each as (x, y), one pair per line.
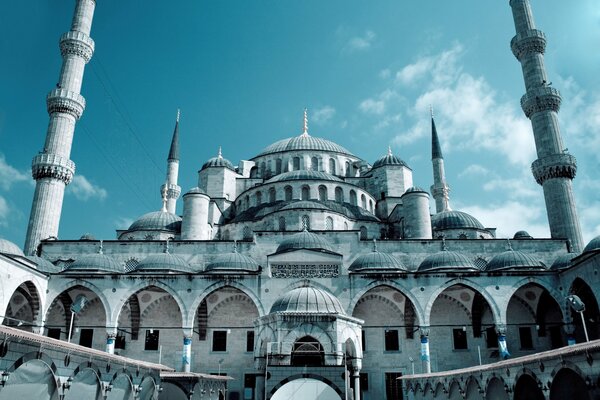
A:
(304, 142)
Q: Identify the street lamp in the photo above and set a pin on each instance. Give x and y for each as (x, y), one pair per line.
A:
(578, 306)
(76, 307)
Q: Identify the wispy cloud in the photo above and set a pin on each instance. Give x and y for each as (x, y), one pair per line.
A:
(9, 175)
(360, 43)
(84, 190)
(511, 216)
(474, 170)
(4, 211)
(321, 115)
(123, 222)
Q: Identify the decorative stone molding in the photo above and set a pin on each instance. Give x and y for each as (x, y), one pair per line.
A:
(554, 166)
(52, 166)
(305, 271)
(529, 42)
(543, 98)
(501, 329)
(77, 44)
(172, 191)
(424, 331)
(65, 101)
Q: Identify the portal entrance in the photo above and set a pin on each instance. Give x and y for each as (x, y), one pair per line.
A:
(305, 389)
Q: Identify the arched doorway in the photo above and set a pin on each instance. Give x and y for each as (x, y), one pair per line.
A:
(308, 352)
(305, 389)
(527, 388)
(32, 380)
(591, 313)
(23, 308)
(568, 384)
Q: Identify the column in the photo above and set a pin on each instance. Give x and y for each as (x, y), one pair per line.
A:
(502, 347)
(186, 358)
(356, 376)
(570, 329)
(111, 336)
(425, 354)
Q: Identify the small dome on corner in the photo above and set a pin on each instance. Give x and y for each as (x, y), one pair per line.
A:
(9, 247)
(594, 244)
(522, 235)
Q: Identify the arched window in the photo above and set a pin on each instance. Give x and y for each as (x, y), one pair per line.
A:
(345, 226)
(278, 166)
(258, 198)
(363, 201)
(332, 170)
(314, 163)
(296, 163)
(305, 222)
(363, 233)
(328, 224)
(272, 195)
(263, 169)
(348, 173)
(323, 193)
(339, 195)
(308, 351)
(247, 201)
(282, 224)
(305, 193)
(371, 207)
(353, 198)
(288, 193)
(247, 232)
(462, 236)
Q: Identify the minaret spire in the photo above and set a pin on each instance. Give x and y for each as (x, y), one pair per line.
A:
(170, 191)
(439, 190)
(555, 168)
(52, 169)
(305, 125)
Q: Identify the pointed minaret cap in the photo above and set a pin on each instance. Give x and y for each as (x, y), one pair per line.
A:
(174, 150)
(436, 150)
(305, 125)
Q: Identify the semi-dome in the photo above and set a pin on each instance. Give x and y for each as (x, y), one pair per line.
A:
(8, 247)
(390, 160)
(305, 205)
(376, 262)
(304, 142)
(445, 261)
(304, 175)
(563, 261)
(513, 260)
(95, 263)
(232, 262)
(454, 220)
(522, 235)
(163, 262)
(594, 244)
(308, 300)
(157, 221)
(304, 240)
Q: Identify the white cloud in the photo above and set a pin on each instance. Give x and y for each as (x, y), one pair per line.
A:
(385, 73)
(372, 106)
(322, 115)
(10, 175)
(510, 217)
(4, 211)
(474, 170)
(84, 190)
(360, 43)
(123, 222)
(443, 67)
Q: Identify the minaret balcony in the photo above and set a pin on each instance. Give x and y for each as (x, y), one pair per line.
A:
(554, 166)
(543, 98)
(52, 166)
(528, 42)
(65, 101)
(78, 44)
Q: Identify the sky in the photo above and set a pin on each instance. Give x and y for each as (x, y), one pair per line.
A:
(242, 71)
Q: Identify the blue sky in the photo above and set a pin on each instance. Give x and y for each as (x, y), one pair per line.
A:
(242, 72)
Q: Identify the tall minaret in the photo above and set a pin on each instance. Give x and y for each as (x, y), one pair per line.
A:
(51, 168)
(439, 189)
(170, 190)
(555, 168)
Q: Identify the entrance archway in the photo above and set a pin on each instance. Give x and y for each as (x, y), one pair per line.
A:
(305, 389)
(23, 308)
(308, 352)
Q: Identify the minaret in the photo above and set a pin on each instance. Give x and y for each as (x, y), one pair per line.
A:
(51, 168)
(439, 189)
(170, 190)
(555, 168)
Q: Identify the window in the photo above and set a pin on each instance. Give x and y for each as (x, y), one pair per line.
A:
(491, 338)
(219, 341)
(339, 195)
(263, 169)
(348, 172)
(282, 224)
(288, 193)
(363, 233)
(305, 193)
(258, 198)
(460, 339)
(525, 337)
(556, 340)
(462, 236)
(353, 198)
(120, 341)
(249, 385)
(329, 224)
(323, 193)
(278, 166)
(332, 166)
(272, 195)
(391, 340)
(152, 336)
(363, 201)
(363, 339)
(306, 222)
(364, 382)
(314, 164)
(247, 233)
(393, 386)
(296, 163)
(54, 333)
(250, 341)
(86, 336)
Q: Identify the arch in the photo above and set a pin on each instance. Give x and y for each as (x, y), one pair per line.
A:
(568, 384)
(85, 383)
(172, 391)
(281, 224)
(305, 193)
(147, 388)
(26, 311)
(591, 314)
(496, 389)
(332, 166)
(121, 387)
(328, 224)
(38, 375)
(353, 200)
(307, 329)
(527, 388)
(90, 286)
(307, 351)
(306, 376)
(473, 389)
(363, 201)
(323, 196)
(289, 193)
(558, 297)
(348, 170)
(339, 194)
(455, 392)
(272, 195)
(295, 163)
(402, 290)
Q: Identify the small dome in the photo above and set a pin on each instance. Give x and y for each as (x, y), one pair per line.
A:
(43, 265)
(304, 240)
(304, 142)
(232, 262)
(522, 235)
(308, 300)
(594, 244)
(218, 162)
(87, 236)
(157, 221)
(454, 220)
(513, 260)
(304, 175)
(163, 262)
(415, 189)
(95, 263)
(444, 261)
(377, 262)
(8, 247)
(390, 160)
(195, 190)
(563, 261)
(305, 205)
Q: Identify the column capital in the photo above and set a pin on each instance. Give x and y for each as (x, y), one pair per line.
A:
(424, 331)
(501, 329)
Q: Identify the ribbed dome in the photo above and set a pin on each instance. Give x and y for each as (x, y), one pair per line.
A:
(233, 262)
(43, 265)
(454, 220)
(522, 235)
(308, 300)
(8, 247)
(563, 261)
(306, 205)
(157, 221)
(390, 159)
(594, 244)
(377, 262)
(513, 260)
(303, 142)
(445, 261)
(415, 189)
(304, 240)
(302, 175)
(218, 162)
(163, 262)
(195, 190)
(95, 263)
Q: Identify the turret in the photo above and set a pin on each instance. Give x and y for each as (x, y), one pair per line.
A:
(217, 178)
(51, 168)
(417, 220)
(391, 177)
(194, 225)
(555, 168)
(439, 190)
(170, 190)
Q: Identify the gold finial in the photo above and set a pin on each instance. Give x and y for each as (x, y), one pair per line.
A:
(509, 245)
(178, 114)
(305, 127)
(220, 155)
(389, 150)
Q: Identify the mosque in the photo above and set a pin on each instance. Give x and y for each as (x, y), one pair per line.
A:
(305, 263)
